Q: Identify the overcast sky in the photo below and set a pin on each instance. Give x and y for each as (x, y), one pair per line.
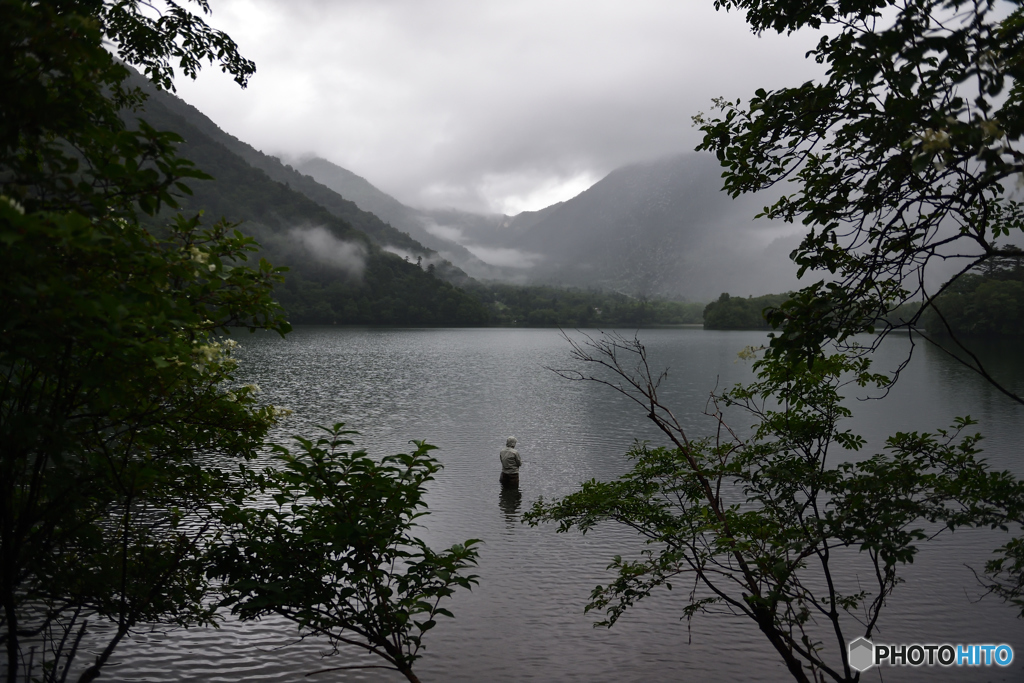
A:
(500, 105)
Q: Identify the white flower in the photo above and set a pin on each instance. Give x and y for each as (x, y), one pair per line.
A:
(277, 413)
(14, 205)
(990, 129)
(932, 140)
(198, 255)
(209, 352)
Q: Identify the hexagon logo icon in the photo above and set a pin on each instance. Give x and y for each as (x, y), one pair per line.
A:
(862, 654)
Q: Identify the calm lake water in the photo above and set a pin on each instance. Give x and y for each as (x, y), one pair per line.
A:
(466, 391)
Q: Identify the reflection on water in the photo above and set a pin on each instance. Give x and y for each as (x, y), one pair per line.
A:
(1000, 358)
(457, 389)
(510, 500)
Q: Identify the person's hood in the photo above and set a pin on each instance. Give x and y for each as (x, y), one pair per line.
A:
(511, 442)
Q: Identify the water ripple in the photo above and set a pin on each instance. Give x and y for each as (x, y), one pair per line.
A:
(465, 391)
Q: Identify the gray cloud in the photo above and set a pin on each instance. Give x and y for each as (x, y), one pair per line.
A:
(498, 106)
(447, 232)
(504, 257)
(324, 247)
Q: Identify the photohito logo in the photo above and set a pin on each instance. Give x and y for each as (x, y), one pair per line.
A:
(864, 654)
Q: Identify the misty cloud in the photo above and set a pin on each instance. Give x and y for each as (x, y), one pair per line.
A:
(324, 247)
(496, 106)
(505, 257)
(444, 231)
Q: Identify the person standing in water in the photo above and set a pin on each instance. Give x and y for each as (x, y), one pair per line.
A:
(510, 463)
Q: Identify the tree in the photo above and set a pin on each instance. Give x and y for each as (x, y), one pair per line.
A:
(337, 557)
(902, 157)
(758, 526)
(905, 156)
(737, 313)
(113, 385)
(123, 434)
(63, 143)
(115, 376)
(986, 302)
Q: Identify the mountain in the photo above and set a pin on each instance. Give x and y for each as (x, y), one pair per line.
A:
(417, 223)
(346, 265)
(357, 255)
(662, 228)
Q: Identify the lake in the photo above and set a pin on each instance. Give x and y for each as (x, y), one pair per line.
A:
(465, 391)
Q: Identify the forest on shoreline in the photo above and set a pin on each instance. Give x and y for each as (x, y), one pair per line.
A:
(985, 303)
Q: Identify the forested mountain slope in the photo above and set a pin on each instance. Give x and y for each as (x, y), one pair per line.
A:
(418, 223)
(340, 273)
(655, 229)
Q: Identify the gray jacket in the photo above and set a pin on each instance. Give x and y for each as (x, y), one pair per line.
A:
(509, 456)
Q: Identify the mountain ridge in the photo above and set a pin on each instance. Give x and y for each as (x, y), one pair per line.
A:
(341, 268)
(658, 228)
(413, 222)
(377, 228)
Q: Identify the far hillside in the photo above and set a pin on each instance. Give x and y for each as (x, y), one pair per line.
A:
(349, 267)
(737, 313)
(987, 302)
(540, 306)
(660, 228)
(346, 266)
